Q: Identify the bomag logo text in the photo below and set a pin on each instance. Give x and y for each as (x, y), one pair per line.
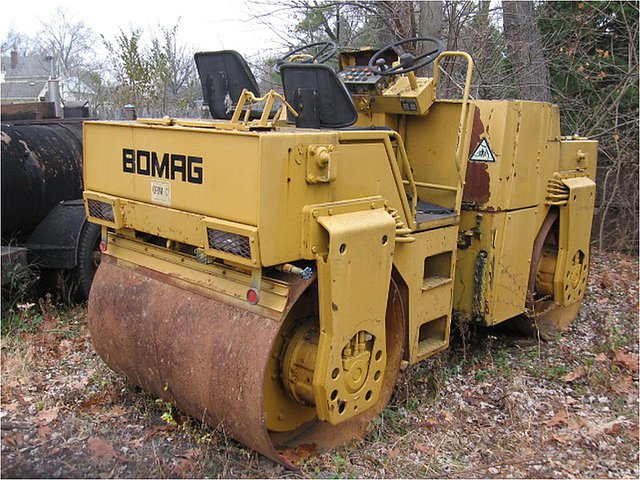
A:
(173, 166)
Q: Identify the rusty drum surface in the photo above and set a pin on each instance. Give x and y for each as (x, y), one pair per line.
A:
(207, 357)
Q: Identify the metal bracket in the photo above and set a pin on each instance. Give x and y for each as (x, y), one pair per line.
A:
(353, 285)
(573, 253)
(314, 240)
(321, 163)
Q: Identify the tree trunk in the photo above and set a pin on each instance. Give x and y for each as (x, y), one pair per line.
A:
(524, 46)
(430, 17)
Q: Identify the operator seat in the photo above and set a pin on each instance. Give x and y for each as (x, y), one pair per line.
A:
(223, 76)
(318, 95)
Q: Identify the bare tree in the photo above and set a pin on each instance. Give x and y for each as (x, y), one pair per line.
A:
(68, 40)
(525, 49)
(430, 18)
(18, 42)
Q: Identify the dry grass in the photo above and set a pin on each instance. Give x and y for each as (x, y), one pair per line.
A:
(503, 406)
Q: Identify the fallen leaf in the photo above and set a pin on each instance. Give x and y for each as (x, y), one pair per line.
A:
(572, 376)
(100, 398)
(11, 439)
(80, 384)
(100, 448)
(629, 360)
(601, 357)
(184, 467)
(622, 384)
(186, 463)
(613, 428)
(575, 423)
(394, 453)
(155, 429)
(49, 415)
(301, 452)
(65, 346)
(557, 419)
(137, 443)
(561, 438)
(430, 422)
(633, 433)
(44, 431)
(421, 447)
(448, 416)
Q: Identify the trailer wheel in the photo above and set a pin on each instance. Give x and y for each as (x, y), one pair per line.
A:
(88, 260)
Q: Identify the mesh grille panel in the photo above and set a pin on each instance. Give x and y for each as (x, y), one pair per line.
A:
(101, 210)
(229, 242)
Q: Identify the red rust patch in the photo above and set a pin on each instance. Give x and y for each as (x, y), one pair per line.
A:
(476, 189)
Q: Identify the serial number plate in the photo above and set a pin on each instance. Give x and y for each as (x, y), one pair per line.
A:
(161, 192)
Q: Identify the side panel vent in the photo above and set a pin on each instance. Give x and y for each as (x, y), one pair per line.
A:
(101, 210)
(229, 242)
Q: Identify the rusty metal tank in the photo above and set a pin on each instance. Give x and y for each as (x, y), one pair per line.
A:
(41, 166)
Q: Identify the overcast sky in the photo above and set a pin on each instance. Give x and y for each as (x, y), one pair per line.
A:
(206, 25)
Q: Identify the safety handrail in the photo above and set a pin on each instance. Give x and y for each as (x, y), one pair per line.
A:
(407, 168)
(465, 102)
(433, 186)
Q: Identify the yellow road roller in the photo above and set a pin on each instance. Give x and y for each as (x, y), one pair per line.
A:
(269, 269)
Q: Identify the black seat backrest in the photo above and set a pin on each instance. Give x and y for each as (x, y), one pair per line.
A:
(223, 76)
(318, 95)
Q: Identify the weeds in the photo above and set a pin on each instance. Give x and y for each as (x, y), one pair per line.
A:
(443, 410)
(22, 319)
(555, 372)
(167, 412)
(17, 288)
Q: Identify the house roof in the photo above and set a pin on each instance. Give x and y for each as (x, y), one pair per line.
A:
(27, 81)
(22, 90)
(33, 66)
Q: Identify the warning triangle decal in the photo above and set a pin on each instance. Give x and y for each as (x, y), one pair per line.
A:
(483, 152)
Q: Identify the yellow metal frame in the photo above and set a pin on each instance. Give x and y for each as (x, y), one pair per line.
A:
(430, 291)
(314, 236)
(465, 104)
(247, 98)
(353, 285)
(341, 198)
(570, 280)
(217, 281)
(401, 95)
(115, 203)
(238, 229)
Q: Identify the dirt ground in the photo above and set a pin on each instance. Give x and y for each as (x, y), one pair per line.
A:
(493, 405)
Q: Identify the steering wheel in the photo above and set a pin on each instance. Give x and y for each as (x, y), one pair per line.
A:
(408, 61)
(304, 54)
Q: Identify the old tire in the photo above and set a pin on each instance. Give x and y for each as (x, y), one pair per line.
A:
(88, 260)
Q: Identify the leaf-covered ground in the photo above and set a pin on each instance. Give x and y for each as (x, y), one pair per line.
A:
(495, 405)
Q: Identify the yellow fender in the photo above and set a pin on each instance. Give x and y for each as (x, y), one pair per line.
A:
(576, 217)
